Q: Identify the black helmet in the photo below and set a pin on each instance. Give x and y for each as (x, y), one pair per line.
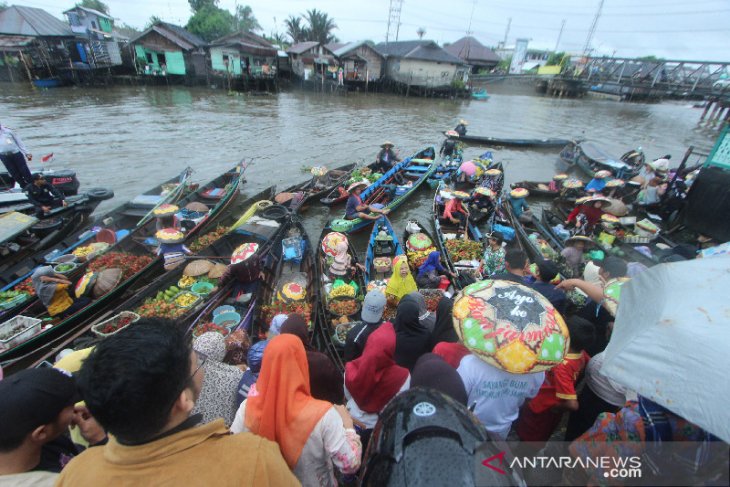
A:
(425, 438)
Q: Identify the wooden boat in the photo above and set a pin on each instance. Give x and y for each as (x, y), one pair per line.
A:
(406, 176)
(217, 195)
(480, 94)
(296, 196)
(219, 250)
(591, 157)
(537, 188)
(339, 193)
(381, 248)
(537, 242)
(444, 227)
(39, 234)
(503, 142)
(328, 321)
(124, 217)
(289, 274)
(64, 180)
(435, 243)
(446, 169)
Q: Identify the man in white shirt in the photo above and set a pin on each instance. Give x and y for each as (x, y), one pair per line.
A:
(13, 155)
(496, 395)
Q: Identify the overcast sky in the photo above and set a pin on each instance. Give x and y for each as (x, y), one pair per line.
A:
(672, 29)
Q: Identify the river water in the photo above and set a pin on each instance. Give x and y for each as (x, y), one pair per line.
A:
(131, 138)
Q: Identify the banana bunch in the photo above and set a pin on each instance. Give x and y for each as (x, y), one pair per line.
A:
(344, 290)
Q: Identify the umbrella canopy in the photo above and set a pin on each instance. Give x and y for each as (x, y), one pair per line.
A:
(510, 326)
(330, 242)
(670, 337)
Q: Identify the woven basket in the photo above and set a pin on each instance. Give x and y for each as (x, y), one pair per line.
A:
(198, 268)
(197, 206)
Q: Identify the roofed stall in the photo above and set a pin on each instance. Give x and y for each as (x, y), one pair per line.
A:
(167, 49)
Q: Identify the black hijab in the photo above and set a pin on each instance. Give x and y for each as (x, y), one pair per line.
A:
(443, 330)
(432, 371)
(411, 337)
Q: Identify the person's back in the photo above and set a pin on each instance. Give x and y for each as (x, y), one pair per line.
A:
(547, 271)
(202, 455)
(141, 385)
(495, 394)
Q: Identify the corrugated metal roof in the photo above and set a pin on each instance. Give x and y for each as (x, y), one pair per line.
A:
(30, 21)
(351, 47)
(423, 50)
(90, 10)
(471, 50)
(175, 34)
(302, 47)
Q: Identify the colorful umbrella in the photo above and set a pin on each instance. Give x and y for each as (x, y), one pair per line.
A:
(243, 252)
(510, 326)
(331, 241)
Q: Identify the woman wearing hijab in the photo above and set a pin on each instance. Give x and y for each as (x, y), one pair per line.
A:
(443, 330)
(425, 317)
(429, 274)
(275, 325)
(411, 336)
(314, 436)
(401, 282)
(254, 358)
(325, 380)
(433, 372)
(220, 385)
(52, 290)
(373, 379)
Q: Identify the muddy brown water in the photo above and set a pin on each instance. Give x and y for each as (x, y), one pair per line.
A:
(131, 138)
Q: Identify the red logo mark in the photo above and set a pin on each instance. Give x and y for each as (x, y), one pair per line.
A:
(488, 462)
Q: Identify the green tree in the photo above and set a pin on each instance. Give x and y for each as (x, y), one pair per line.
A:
(555, 58)
(244, 19)
(127, 30)
(294, 29)
(94, 4)
(210, 23)
(3, 6)
(277, 38)
(505, 63)
(650, 59)
(320, 26)
(198, 5)
(152, 21)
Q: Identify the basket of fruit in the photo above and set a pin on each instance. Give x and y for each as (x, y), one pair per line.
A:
(341, 331)
(206, 327)
(186, 282)
(343, 306)
(383, 264)
(186, 299)
(342, 291)
(11, 299)
(66, 259)
(114, 324)
(66, 268)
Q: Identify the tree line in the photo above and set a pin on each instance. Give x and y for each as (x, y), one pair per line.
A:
(210, 22)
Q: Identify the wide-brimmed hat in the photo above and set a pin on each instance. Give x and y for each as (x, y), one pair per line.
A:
(615, 183)
(573, 184)
(519, 193)
(560, 177)
(386, 143)
(609, 218)
(580, 238)
(352, 187)
(660, 165)
(602, 174)
(170, 235)
(533, 340)
(484, 192)
(452, 133)
(604, 201)
(493, 172)
(461, 195)
(463, 122)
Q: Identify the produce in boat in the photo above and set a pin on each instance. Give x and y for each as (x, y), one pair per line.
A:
(463, 249)
(343, 307)
(208, 239)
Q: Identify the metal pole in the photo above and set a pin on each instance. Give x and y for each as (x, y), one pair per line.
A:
(557, 43)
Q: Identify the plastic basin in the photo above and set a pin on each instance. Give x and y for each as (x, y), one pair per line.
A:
(229, 319)
(223, 309)
(202, 288)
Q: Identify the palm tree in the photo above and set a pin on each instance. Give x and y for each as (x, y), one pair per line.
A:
(295, 29)
(320, 26)
(244, 19)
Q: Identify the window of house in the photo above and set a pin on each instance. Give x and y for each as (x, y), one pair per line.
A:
(161, 59)
(73, 19)
(93, 25)
(226, 59)
(149, 58)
